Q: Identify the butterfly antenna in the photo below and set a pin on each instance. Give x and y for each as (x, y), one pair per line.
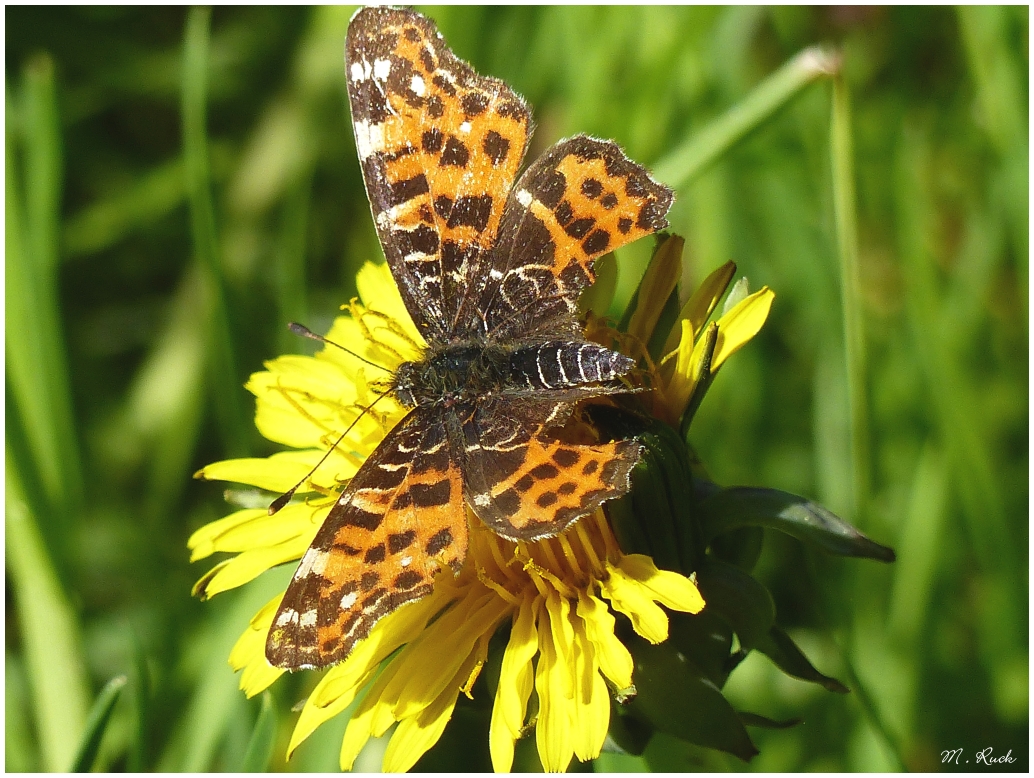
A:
(305, 332)
(285, 498)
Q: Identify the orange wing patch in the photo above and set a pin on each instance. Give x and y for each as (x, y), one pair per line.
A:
(553, 485)
(440, 147)
(582, 198)
(398, 523)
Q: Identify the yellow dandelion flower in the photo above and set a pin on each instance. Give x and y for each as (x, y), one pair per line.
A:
(558, 596)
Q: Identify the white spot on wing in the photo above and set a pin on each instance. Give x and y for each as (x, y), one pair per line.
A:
(482, 499)
(349, 600)
(360, 71)
(314, 561)
(369, 138)
(308, 619)
(418, 86)
(287, 617)
(406, 561)
(381, 69)
(465, 127)
(524, 197)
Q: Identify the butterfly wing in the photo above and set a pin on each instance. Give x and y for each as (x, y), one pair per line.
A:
(398, 522)
(580, 199)
(526, 485)
(440, 147)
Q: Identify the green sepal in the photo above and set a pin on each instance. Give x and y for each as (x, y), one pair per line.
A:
(96, 724)
(780, 648)
(669, 314)
(676, 697)
(598, 297)
(738, 599)
(656, 516)
(744, 506)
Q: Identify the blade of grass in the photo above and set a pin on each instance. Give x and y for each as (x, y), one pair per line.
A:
(263, 738)
(842, 154)
(36, 352)
(686, 162)
(222, 355)
(50, 631)
(96, 724)
(193, 744)
(21, 754)
(138, 750)
(155, 193)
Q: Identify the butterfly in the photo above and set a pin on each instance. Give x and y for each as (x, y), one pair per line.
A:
(490, 272)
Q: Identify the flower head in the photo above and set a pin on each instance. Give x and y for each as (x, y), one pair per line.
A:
(559, 597)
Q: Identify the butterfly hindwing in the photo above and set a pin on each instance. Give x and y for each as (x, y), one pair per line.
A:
(440, 147)
(527, 485)
(399, 521)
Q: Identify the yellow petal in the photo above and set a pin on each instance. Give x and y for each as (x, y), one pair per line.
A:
(416, 734)
(255, 529)
(342, 683)
(515, 684)
(276, 473)
(614, 659)
(666, 587)
(553, 732)
(249, 652)
(591, 704)
(434, 657)
(251, 564)
(701, 304)
(683, 378)
(378, 291)
(629, 597)
(741, 324)
(368, 719)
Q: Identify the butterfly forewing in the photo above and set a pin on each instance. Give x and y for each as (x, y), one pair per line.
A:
(440, 147)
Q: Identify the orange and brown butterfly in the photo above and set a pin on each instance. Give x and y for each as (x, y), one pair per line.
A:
(491, 273)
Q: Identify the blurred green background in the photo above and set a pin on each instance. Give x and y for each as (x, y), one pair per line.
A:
(173, 200)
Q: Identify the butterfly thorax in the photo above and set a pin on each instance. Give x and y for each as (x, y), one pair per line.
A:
(454, 373)
(472, 370)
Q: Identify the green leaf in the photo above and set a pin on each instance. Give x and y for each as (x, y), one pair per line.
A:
(705, 638)
(263, 738)
(757, 720)
(627, 734)
(781, 649)
(739, 599)
(744, 506)
(96, 724)
(676, 697)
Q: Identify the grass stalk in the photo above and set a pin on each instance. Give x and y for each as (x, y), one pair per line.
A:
(689, 160)
(49, 627)
(222, 356)
(842, 153)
